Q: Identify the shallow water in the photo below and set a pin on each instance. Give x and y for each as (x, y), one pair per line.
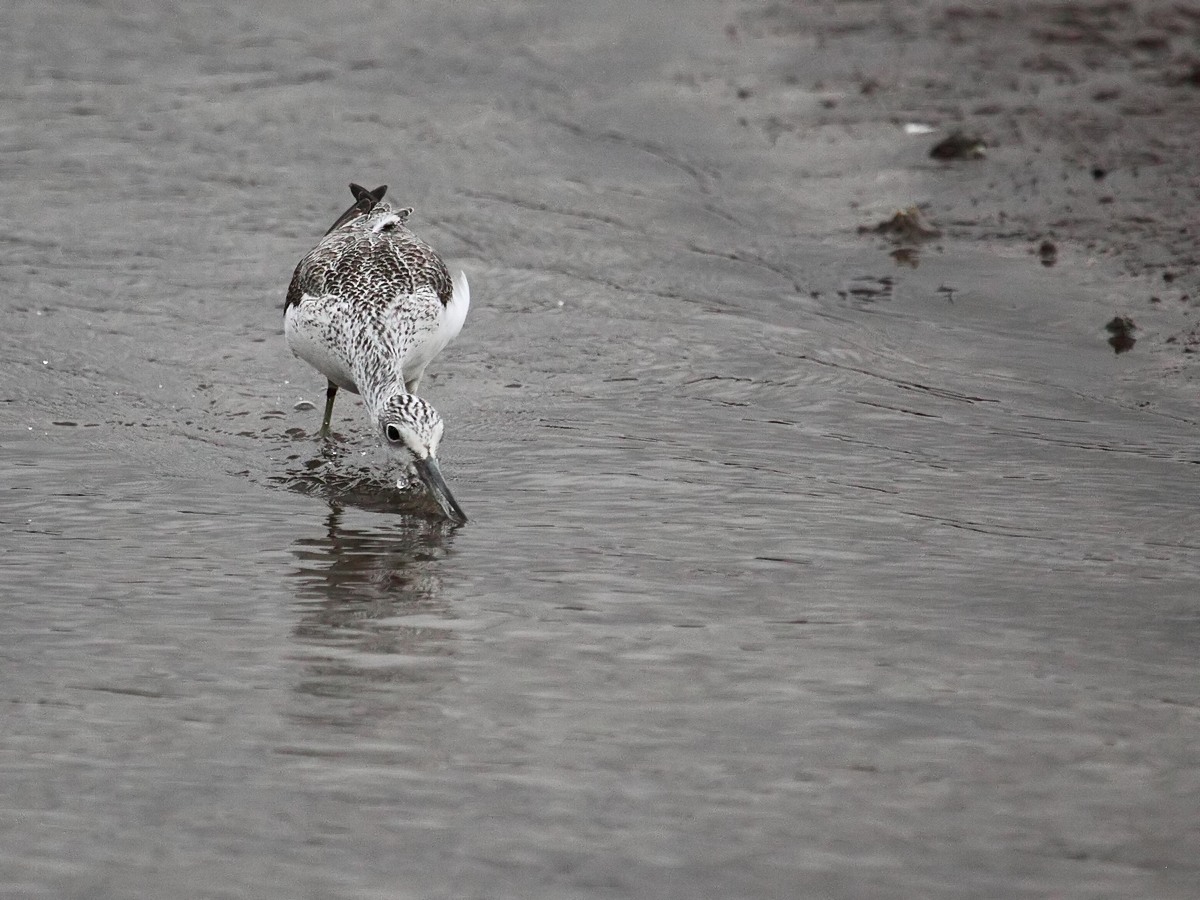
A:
(790, 572)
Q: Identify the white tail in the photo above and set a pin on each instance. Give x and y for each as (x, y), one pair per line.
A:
(456, 309)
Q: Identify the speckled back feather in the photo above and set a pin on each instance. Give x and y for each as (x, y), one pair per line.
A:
(373, 257)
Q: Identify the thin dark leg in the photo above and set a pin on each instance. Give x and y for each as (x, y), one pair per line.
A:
(330, 393)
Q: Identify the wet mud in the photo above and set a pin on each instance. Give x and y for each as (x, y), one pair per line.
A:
(809, 554)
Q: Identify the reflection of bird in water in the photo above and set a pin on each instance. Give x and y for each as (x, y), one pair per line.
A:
(369, 605)
(350, 567)
(369, 307)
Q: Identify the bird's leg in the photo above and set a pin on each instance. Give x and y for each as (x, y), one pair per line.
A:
(330, 393)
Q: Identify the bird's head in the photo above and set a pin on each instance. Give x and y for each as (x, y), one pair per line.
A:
(412, 429)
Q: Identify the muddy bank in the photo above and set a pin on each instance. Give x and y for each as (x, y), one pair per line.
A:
(1082, 119)
(1087, 111)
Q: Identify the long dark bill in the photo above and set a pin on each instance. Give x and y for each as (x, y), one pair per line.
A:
(431, 476)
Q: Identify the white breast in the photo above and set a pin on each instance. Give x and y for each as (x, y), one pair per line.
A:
(314, 333)
(434, 330)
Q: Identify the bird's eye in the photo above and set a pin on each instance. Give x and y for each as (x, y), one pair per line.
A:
(393, 434)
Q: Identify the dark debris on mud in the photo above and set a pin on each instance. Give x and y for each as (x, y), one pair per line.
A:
(907, 230)
(959, 146)
(905, 226)
(1120, 330)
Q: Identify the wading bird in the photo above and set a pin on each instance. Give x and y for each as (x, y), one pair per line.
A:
(369, 307)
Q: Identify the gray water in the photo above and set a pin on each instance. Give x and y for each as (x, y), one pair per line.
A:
(790, 572)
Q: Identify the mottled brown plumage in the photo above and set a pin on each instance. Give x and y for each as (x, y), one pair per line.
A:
(369, 307)
(370, 265)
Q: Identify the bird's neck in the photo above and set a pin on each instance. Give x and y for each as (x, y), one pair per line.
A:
(378, 380)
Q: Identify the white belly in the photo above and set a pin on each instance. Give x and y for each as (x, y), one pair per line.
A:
(315, 339)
